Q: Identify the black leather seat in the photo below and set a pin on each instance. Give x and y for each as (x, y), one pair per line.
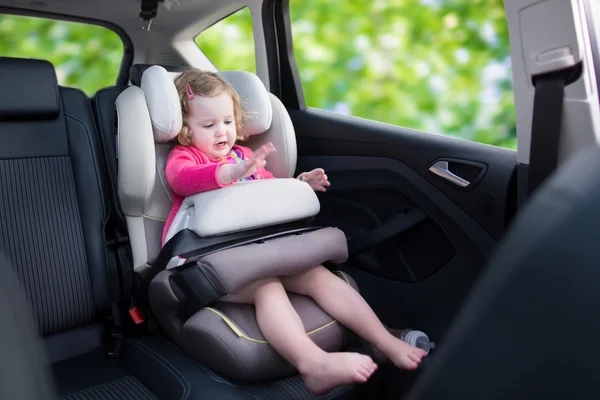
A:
(530, 328)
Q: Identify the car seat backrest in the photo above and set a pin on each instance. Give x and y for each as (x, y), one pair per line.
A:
(149, 120)
(52, 195)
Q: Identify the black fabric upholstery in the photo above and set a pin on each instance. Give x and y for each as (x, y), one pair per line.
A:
(126, 388)
(171, 374)
(92, 369)
(530, 330)
(23, 371)
(106, 119)
(283, 389)
(40, 232)
(46, 176)
(30, 90)
(90, 183)
(27, 139)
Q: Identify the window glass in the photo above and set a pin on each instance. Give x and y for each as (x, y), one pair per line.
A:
(441, 66)
(229, 44)
(85, 56)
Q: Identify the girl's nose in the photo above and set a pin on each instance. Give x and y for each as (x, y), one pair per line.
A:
(220, 130)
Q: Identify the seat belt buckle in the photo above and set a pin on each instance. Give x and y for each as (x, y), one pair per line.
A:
(136, 315)
(114, 345)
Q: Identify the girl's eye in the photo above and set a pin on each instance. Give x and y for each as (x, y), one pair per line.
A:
(228, 122)
(208, 126)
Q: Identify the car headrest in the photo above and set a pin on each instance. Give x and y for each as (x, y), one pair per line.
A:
(28, 90)
(137, 70)
(165, 109)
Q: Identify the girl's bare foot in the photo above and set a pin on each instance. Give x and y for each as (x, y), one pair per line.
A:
(335, 369)
(402, 354)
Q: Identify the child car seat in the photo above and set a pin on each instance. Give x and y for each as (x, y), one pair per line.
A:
(214, 248)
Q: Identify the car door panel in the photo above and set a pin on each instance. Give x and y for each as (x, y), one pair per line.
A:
(380, 174)
(323, 133)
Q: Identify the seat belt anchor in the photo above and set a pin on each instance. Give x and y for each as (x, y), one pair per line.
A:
(114, 345)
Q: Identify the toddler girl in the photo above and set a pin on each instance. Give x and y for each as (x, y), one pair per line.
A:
(207, 158)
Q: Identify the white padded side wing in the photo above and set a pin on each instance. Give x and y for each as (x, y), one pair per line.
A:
(163, 103)
(282, 163)
(246, 205)
(136, 166)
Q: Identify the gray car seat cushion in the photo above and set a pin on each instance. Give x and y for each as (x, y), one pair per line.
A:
(226, 337)
(235, 268)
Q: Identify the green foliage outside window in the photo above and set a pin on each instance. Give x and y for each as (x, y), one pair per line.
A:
(85, 56)
(441, 66)
(229, 43)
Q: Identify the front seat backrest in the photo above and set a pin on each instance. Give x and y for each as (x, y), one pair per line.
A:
(530, 328)
(147, 131)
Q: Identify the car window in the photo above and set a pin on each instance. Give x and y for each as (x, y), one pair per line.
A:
(432, 65)
(229, 43)
(85, 56)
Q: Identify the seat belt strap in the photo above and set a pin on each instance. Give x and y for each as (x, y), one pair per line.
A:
(114, 335)
(545, 130)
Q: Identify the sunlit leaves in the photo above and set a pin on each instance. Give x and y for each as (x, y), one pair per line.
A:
(441, 66)
(85, 56)
(229, 43)
(433, 65)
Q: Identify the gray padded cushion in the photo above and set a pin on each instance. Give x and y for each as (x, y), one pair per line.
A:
(237, 267)
(530, 328)
(225, 337)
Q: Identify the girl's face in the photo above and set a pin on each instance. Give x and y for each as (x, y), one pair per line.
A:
(212, 123)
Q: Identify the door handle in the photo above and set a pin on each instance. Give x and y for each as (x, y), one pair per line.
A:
(440, 168)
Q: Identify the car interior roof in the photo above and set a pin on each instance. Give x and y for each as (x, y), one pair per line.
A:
(182, 19)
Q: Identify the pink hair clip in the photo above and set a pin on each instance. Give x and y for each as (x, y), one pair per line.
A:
(189, 92)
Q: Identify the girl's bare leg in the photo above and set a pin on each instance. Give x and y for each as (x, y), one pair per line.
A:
(283, 329)
(348, 307)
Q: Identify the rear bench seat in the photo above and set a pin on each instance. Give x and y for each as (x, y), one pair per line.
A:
(54, 203)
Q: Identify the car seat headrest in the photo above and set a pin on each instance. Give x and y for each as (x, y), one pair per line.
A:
(163, 103)
(137, 71)
(165, 109)
(29, 90)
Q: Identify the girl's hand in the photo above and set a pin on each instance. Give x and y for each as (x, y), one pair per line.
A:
(316, 179)
(249, 166)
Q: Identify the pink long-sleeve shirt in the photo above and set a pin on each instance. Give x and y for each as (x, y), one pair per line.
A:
(189, 171)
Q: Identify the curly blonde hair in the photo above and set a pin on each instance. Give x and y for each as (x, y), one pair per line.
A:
(206, 84)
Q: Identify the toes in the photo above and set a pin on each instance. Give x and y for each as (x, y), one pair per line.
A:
(361, 376)
(414, 357)
(364, 372)
(410, 365)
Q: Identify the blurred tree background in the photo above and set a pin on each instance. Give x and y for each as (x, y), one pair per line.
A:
(441, 66)
(85, 56)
